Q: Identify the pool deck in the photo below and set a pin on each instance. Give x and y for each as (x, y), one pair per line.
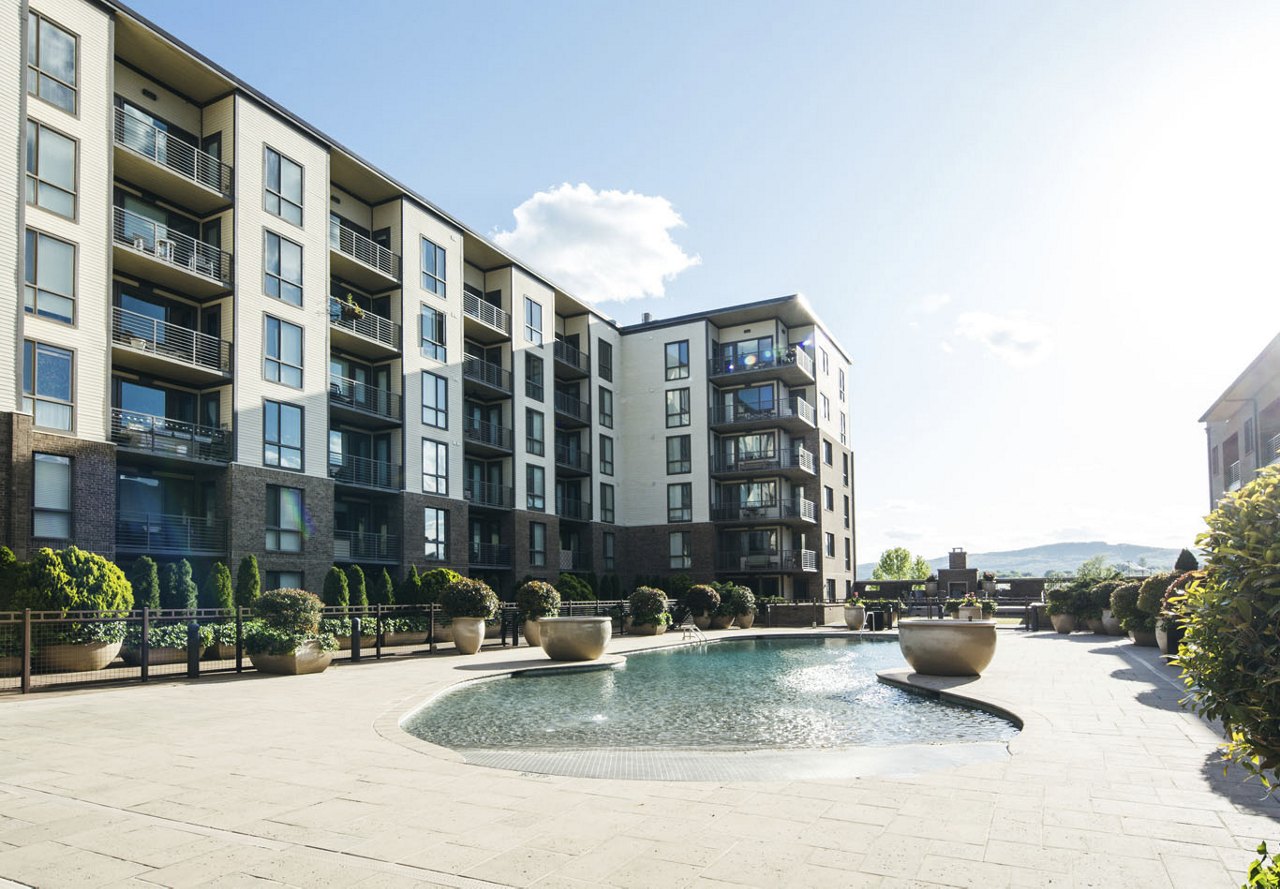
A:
(308, 781)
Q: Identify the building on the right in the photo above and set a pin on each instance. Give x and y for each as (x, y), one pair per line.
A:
(1243, 425)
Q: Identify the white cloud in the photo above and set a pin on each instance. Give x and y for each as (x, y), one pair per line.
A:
(1018, 341)
(601, 245)
(929, 304)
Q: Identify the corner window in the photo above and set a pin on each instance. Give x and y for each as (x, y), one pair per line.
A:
(435, 524)
(50, 280)
(283, 187)
(677, 408)
(433, 344)
(282, 435)
(846, 511)
(532, 321)
(606, 502)
(433, 268)
(51, 497)
(533, 377)
(284, 519)
(47, 373)
(606, 455)
(678, 549)
(283, 361)
(51, 63)
(435, 467)
(844, 428)
(679, 454)
(535, 481)
(606, 407)
(537, 545)
(51, 170)
(605, 352)
(678, 360)
(435, 400)
(282, 269)
(680, 502)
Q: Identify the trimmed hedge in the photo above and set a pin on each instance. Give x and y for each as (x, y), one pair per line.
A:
(701, 599)
(537, 598)
(467, 597)
(648, 606)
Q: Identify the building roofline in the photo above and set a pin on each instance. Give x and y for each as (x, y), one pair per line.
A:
(1230, 391)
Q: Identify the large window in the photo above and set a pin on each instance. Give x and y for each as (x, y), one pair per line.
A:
(50, 289)
(846, 510)
(47, 373)
(840, 379)
(535, 482)
(826, 407)
(433, 268)
(534, 432)
(606, 502)
(608, 544)
(284, 519)
(605, 352)
(435, 467)
(51, 170)
(283, 361)
(828, 499)
(433, 342)
(606, 455)
(282, 269)
(533, 377)
(826, 452)
(680, 502)
(844, 459)
(51, 497)
(51, 63)
(435, 400)
(435, 524)
(678, 360)
(829, 545)
(537, 545)
(678, 543)
(282, 435)
(532, 321)
(825, 360)
(677, 408)
(283, 190)
(679, 454)
(284, 580)
(606, 407)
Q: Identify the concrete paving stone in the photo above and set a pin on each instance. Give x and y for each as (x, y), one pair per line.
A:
(764, 864)
(1196, 873)
(518, 867)
(153, 845)
(962, 872)
(812, 876)
(1106, 871)
(644, 872)
(47, 863)
(1026, 855)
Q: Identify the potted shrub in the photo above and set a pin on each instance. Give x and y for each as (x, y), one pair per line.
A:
(1061, 609)
(1138, 624)
(970, 608)
(724, 614)
(166, 644)
(536, 599)
(468, 603)
(351, 311)
(285, 637)
(931, 585)
(1085, 606)
(431, 586)
(649, 615)
(742, 603)
(218, 593)
(855, 613)
(1169, 620)
(1150, 594)
(702, 602)
(1100, 594)
(74, 580)
(988, 581)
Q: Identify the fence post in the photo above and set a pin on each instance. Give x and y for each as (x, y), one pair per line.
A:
(431, 628)
(239, 638)
(146, 644)
(193, 650)
(26, 650)
(355, 638)
(377, 626)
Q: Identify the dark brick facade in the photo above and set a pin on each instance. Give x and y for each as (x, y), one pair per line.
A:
(521, 565)
(413, 530)
(646, 551)
(247, 519)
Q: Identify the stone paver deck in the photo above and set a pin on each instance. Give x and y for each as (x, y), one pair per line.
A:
(307, 781)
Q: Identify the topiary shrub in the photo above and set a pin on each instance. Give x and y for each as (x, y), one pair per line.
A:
(1100, 592)
(217, 592)
(467, 597)
(179, 590)
(144, 577)
(739, 600)
(1150, 593)
(383, 591)
(409, 592)
(701, 600)
(75, 580)
(648, 606)
(537, 598)
(677, 585)
(1124, 606)
(575, 589)
(1084, 605)
(357, 590)
(433, 583)
(1185, 562)
(285, 619)
(1061, 600)
(334, 591)
(248, 582)
(10, 578)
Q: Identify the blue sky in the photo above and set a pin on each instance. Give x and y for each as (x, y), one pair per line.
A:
(1045, 232)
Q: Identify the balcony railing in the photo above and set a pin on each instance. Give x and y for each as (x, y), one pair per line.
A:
(492, 375)
(170, 247)
(574, 560)
(496, 555)
(475, 307)
(181, 157)
(366, 323)
(167, 340)
(770, 560)
(363, 397)
(366, 546)
(572, 407)
(486, 433)
(178, 534)
(573, 458)
(577, 510)
(160, 435)
(360, 248)
(479, 493)
(787, 408)
(795, 458)
(763, 360)
(363, 471)
(1233, 476)
(572, 356)
(1272, 452)
(804, 510)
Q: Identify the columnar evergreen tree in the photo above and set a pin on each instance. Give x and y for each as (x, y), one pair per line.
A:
(217, 592)
(335, 592)
(185, 594)
(145, 578)
(410, 592)
(357, 591)
(383, 591)
(1186, 562)
(248, 582)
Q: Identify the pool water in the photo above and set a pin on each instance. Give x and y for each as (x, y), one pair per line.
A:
(782, 694)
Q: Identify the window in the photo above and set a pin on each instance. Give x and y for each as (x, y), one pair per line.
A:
(282, 269)
(533, 377)
(829, 545)
(678, 543)
(433, 268)
(50, 290)
(535, 482)
(680, 502)
(677, 407)
(844, 458)
(825, 359)
(435, 467)
(679, 454)
(537, 545)
(433, 345)
(846, 510)
(606, 502)
(607, 544)
(435, 400)
(606, 407)
(840, 379)
(678, 360)
(534, 432)
(283, 195)
(605, 352)
(828, 499)
(830, 584)
(282, 435)
(51, 170)
(284, 353)
(284, 519)
(826, 452)
(532, 321)
(1248, 435)
(435, 532)
(606, 455)
(844, 428)
(51, 497)
(47, 373)
(51, 63)
(284, 580)
(848, 554)
(826, 408)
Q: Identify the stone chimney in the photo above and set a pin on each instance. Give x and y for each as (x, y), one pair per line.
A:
(646, 318)
(957, 560)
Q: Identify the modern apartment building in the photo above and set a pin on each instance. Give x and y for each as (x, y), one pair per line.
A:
(1243, 425)
(231, 335)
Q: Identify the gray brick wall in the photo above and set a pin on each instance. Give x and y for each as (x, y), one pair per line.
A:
(247, 517)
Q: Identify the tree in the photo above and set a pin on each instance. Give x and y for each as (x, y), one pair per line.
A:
(248, 582)
(357, 590)
(383, 591)
(217, 592)
(410, 591)
(899, 564)
(179, 588)
(335, 592)
(1186, 562)
(145, 578)
(1096, 569)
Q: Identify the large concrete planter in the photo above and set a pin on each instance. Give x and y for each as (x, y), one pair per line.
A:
(158, 656)
(1063, 623)
(746, 621)
(947, 647)
(969, 612)
(1145, 638)
(1110, 625)
(393, 640)
(468, 634)
(443, 632)
(647, 629)
(575, 638)
(306, 658)
(223, 652)
(366, 642)
(1095, 626)
(855, 616)
(532, 634)
(702, 621)
(10, 665)
(78, 658)
(721, 621)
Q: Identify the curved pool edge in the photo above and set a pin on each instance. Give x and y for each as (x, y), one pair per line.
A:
(944, 688)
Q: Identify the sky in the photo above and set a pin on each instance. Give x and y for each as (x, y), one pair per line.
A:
(1046, 234)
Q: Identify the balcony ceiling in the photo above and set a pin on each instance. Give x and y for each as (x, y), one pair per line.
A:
(167, 63)
(1263, 370)
(355, 178)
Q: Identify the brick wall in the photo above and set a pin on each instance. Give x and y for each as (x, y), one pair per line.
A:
(247, 517)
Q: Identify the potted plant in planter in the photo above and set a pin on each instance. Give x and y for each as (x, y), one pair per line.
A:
(1169, 620)
(285, 637)
(988, 581)
(74, 580)
(702, 602)
(970, 608)
(1085, 606)
(855, 613)
(166, 644)
(536, 599)
(1137, 623)
(431, 586)
(724, 613)
(1061, 609)
(350, 310)
(931, 585)
(468, 603)
(649, 616)
(1100, 596)
(742, 602)
(1150, 594)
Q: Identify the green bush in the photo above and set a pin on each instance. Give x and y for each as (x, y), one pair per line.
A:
(179, 589)
(1100, 592)
(383, 591)
(335, 592)
(648, 606)
(677, 586)
(144, 577)
(433, 583)
(537, 598)
(467, 597)
(248, 582)
(739, 600)
(286, 619)
(701, 599)
(1171, 605)
(1062, 600)
(75, 580)
(1186, 561)
(260, 638)
(218, 592)
(169, 635)
(1124, 607)
(10, 578)
(357, 589)
(409, 592)
(574, 588)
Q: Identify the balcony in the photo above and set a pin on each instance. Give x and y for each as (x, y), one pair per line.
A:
(363, 472)
(154, 160)
(178, 535)
(162, 437)
(151, 250)
(1233, 476)
(791, 463)
(574, 461)
(489, 555)
(793, 413)
(484, 437)
(488, 495)
(365, 546)
(495, 324)
(572, 412)
(363, 332)
(355, 258)
(788, 512)
(571, 362)
(485, 378)
(573, 509)
(357, 402)
(794, 366)
(771, 561)
(574, 560)
(166, 350)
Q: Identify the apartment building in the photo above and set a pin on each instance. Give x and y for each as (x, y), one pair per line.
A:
(235, 336)
(1242, 427)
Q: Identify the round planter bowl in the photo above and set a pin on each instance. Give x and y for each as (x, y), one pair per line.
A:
(444, 632)
(702, 621)
(969, 612)
(1145, 638)
(647, 629)
(224, 652)
(947, 647)
(746, 621)
(158, 656)
(72, 658)
(855, 616)
(532, 634)
(1110, 625)
(1063, 623)
(1095, 626)
(10, 665)
(306, 658)
(575, 638)
(721, 622)
(468, 634)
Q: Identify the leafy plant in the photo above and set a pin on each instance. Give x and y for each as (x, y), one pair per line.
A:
(335, 591)
(701, 599)
(739, 600)
(467, 597)
(574, 588)
(1124, 606)
(648, 606)
(409, 592)
(145, 579)
(1185, 562)
(1100, 593)
(1171, 605)
(537, 598)
(75, 580)
(899, 564)
(1150, 594)
(433, 583)
(169, 635)
(285, 620)
(259, 638)
(357, 590)
(1264, 871)
(248, 582)
(179, 588)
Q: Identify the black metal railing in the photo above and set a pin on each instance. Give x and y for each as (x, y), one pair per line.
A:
(363, 471)
(366, 546)
(360, 248)
(764, 510)
(787, 408)
(364, 397)
(574, 408)
(160, 533)
(138, 331)
(573, 458)
(571, 508)
(181, 157)
(364, 323)
(765, 359)
(488, 373)
(175, 438)
(479, 493)
(794, 458)
(495, 555)
(483, 432)
(768, 560)
(572, 357)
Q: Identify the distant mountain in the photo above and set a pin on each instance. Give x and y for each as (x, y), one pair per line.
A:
(1036, 561)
